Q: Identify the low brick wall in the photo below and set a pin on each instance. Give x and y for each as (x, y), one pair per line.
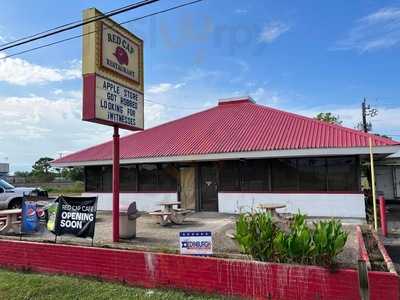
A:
(211, 275)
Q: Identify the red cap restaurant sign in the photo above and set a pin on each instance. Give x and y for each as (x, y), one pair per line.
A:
(112, 70)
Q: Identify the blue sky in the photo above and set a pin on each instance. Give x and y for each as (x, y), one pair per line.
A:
(304, 57)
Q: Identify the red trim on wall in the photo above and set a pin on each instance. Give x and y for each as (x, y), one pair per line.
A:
(246, 279)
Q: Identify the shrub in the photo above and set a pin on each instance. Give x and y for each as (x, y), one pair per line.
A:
(329, 239)
(255, 234)
(259, 236)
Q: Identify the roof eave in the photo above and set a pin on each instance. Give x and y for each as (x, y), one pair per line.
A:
(385, 150)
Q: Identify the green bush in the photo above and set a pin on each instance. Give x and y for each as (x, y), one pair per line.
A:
(259, 236)
(255, 234)
(329, 240)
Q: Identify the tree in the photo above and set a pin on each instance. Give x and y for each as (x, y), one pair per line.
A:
(42, 165)
(383, 135)
(42, 169)
(329, 118)
(73, 174)
(22, 174)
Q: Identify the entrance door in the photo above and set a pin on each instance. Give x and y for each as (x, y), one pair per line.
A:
(188, 187)
(209, 187)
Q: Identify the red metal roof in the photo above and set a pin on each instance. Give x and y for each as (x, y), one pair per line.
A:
(232, 126)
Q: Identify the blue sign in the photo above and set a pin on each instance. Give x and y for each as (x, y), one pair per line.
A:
(30, 219)
(196, 242)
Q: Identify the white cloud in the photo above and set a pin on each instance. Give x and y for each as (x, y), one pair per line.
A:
(378, 30)
(21, 72)
(272, 31)
(266, 96)
(154, 114)
(50, 126)
(164, 87)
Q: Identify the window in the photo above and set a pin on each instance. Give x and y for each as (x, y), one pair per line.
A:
(148, 177)
(106, 172)
(254, 175)
(342, 174)
(167, 177)
(161, 177)
(229, 175)
(93, 179)
(128, 178)
(98, 179)
(312, 174)
(284, 175)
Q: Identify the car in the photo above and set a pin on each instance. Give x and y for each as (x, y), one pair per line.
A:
(11, 196)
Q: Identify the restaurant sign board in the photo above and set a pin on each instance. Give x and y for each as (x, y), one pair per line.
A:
(120, 54)
(112, 68)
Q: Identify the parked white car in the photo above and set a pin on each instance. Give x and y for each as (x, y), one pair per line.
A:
(10, 196)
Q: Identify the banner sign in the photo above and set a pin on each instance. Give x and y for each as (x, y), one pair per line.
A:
(196, 242)
(112, 69)
(30, 220)
(76, 216)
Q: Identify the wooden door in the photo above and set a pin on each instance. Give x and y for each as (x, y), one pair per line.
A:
(188, 188)
(208, 187)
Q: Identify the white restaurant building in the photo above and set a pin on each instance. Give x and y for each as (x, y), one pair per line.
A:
(233, 156)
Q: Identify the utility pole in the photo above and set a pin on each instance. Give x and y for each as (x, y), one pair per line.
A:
(367, 110)
(364, 115)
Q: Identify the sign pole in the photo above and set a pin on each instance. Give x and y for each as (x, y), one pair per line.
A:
(115, 185)
(113, 88)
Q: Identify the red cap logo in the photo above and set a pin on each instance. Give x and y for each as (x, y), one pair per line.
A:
(121, 56)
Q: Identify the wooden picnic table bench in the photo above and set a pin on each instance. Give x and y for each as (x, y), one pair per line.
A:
(169, 214)
(271, 207)
(9, 218)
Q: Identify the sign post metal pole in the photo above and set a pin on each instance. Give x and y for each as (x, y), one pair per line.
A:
(113, 89)
(115, 185)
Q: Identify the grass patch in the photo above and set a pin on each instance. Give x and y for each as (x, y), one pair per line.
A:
(23, 285)
(75, 188)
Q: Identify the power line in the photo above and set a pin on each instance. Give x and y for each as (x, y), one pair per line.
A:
(119, 11)
(91, 32)
(58, 27)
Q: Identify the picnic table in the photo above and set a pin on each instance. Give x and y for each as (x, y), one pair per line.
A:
(271, 207)
(168, 206)
(9, 218)
(168, 214)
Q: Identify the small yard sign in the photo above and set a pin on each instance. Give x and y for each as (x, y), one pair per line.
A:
(196, 242)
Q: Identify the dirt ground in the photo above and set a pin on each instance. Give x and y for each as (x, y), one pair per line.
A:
(150, 236)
